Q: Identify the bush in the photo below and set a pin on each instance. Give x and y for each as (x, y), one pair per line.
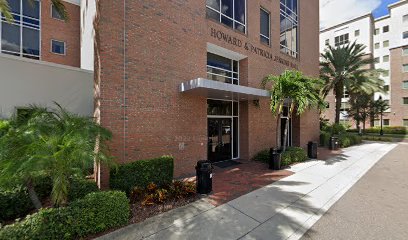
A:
(79, 188)
(262, 156)
(15, 202)
(377, 138)
(4, 127)
(347, 140)
(95, 213)
(293, 155)
(386, 130)
(324, 138)
(140, 173)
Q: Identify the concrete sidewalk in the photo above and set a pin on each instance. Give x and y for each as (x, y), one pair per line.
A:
(285, 209)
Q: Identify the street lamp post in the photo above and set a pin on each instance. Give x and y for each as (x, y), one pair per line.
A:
(381, 109)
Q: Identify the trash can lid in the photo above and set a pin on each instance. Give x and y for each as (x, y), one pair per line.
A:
(204, 164)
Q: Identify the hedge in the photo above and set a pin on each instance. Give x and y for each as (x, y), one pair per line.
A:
(142, 172)
(347, 140)
(16, 203)
(386, 130)
(291, 155)
(377, 138)
(97, 212)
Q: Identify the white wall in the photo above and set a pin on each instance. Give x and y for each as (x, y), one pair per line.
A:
(383, 51)
(88, 9)
(397, 11)
(25, 81)
(363, 24)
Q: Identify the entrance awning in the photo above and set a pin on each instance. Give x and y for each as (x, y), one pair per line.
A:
(222, 91)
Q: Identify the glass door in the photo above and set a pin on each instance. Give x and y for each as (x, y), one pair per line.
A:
(219, 139)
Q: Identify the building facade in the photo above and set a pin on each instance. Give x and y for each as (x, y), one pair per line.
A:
(183, 77)
(39, 33)
(386, 40)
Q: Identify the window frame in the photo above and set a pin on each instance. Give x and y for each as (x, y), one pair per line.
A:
(377, 31)
(283, 15)
(388, 43)
(232, 72)
(233, 16)
(269, 27)
(21, 24)
(405, 18)
(386, 27)
(405, 84)
(386, 58)
(405, 122)
(405, 68)
(405, 35)
(403, 100)
(342, 40)
(357, 33)
(65, 47)
(403, 51)
(377, 44)
(52, 15)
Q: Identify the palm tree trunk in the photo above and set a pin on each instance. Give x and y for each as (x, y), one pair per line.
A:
(33, 195)
(278, 131)
(285, 136)
(338, 107)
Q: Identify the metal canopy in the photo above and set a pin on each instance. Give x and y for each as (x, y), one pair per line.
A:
(223, 91)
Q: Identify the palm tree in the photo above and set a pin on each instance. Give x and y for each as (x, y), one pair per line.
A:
(293, 90)
(58, 4)
(56, 143)
(347, 68)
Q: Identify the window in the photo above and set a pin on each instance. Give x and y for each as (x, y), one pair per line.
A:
(342, 39)
(386, 88)
(327, 42)
(289, 27)
(376, 31)
(377, 60)
(222, 69)
(386, 43)
(386, 73)
(405, 68)
(232, 13)
(404, 35)
(265, 26)
(405, 122)
(405, 84)
(405, 18)
(377, 45)
(405, 52)
(386, 29)
(357, 33)
(405, 100)
(22, 37)
(386, 122)
(386, 58)
(55, 14)
(376, 122)
(58, 47)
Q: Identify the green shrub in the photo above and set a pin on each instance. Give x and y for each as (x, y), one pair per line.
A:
(79, 188)
(386, 130)
(262, 156)
(293, 155)
(141, 173)
(377, 138)
(4, 127)
(97, 212)
(347, 140)
(324, 138)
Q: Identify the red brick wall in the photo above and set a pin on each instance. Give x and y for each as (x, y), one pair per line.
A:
(399, 111)
(69, 32)
(166, 44)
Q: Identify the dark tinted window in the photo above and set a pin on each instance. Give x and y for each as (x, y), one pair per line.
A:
(265, 26)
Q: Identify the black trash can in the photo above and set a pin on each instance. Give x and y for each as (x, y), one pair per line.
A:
(274, 159)
(312, 150)
(334, 143)
(204, 177)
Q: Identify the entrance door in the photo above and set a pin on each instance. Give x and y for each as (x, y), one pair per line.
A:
(219, 139)
(284, 120)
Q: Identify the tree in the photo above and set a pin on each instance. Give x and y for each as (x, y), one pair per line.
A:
(347, 68)
(378, 106)
(56, 143)
(360, 108)
(294, 90)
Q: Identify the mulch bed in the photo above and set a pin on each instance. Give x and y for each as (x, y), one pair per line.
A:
(141, 213)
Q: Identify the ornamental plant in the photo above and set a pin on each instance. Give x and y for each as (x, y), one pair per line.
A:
(55, 143)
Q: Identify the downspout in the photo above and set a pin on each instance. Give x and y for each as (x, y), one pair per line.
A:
(124, 104)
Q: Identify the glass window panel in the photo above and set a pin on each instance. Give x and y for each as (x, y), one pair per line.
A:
(14, 6)
(240, 11)
(405, 84)
(405, 100)
(386, 29)
(213, 14)
(227, 8)
(405, 51)
(405, 122)
(214, 4)
(405, 68)
(31, 9)
(405, 18)
(31, 41)
(219, 108)
(235, 139)
(218, 61)
(386, 43)
(10, 37)
(386, 122)
(58, 47)
(235, 107)
(227, 21)
(405, 35)
(386, 58)
(265, 23)
(56, 15)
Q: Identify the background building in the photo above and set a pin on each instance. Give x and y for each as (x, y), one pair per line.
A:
(181, 77)
(40, 59)
(386, 39)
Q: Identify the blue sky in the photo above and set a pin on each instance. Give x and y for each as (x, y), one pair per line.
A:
(333, 12)
(382, 10)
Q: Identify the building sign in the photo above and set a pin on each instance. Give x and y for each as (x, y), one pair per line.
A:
(221, 36)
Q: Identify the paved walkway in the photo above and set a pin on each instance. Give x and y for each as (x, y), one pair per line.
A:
(285, 209)
(375, 208)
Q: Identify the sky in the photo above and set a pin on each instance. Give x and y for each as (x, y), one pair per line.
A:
(350, 9)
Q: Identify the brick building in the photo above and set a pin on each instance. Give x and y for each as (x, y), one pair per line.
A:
(182, 77)
(386, 39)
(39, 33)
